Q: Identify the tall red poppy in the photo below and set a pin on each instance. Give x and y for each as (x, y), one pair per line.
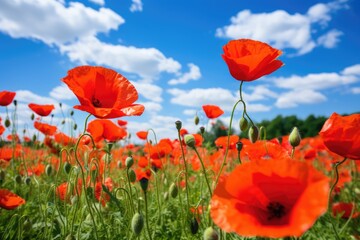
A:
(103, 92)
(45, 128)
(341, 135)
(212, 111)
(106, 129)
(142, 135)
(270, 198)
(344, 209)
(121, 122)
(249, 60)
(6, 98)
(42, 110)
(10, 200)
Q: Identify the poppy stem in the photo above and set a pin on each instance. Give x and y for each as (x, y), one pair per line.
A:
(336, 179)
(186, 172)
(204, 171)
(147, 215)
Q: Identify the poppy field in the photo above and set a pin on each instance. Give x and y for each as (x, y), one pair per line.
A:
(99, 185)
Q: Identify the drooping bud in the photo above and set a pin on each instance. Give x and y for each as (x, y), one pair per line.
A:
(244, 124)
(137, 223)
(144, 183)
(178, 125)
(34, 138)
(239, 146)
(27, 181)
(62, 122)
(196, 120)
(67, 167)
(7, 122)
(189, 140)
(18, 179)
(132, 175)
(194, 226)
(262, 133)
(71, 113)
(211, 234)
(173, 190)
(129, 162)
(75, 126)
(294, 137)
(60, 104)
(15, 102)
(166, 196)
(202, 130)
(253, 134)
(32, 116)
(48, 170)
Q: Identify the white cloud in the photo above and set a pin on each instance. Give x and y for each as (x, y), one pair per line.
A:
(352, 70)
(151, 107)
(148, 63)
(136, 6)
(189, 112)
(99, 2)
(62, 92)
(355, 90)
(193, 74)
(149, 91)
(330, 39)
(294, 98)
(259, 92)
(283, 30)
(51, 22)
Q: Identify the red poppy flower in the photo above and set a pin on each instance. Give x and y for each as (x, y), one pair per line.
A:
(341, 135)
(142, 135)
(10, 200)
(45, 128)
(42, 110)
(6, 98)
(212, 111)
(249, 60)
(183, 132)
(100, 195)
(270, 198)
(122, 122)
(222, 141)
(106, 129)
(344, 209)
(103, 92)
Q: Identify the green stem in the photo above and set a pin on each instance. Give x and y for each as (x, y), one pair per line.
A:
(204, 171)
(147, 215)
(186, 173)
(130, 194)
(336, 180)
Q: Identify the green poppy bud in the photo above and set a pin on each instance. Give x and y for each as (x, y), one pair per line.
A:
(166, 196)
(194, 226)
(202, 130)
(132, 175)
(7, 122)
(2, 176)
(48, 170)
(294, 137)
(211, 234)
(129, 162)
(196, 120)
(67, 167)
(239, 146)
(253, 134)
(173, 190)
(75, 126)
(71, 113)
(244, 124)
(15, 102)
(178, 125)
(189, 140)
(32, 116)
(27, 181)
(137, 223)
(144, 183)
(18, 179)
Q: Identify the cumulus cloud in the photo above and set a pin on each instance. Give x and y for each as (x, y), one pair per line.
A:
(62, 92)
(136, 6)
(284, 30)
(99, 2)
(148, 63)
(151, 107)
(149, 91)
(355, 90)
(352, 70)
(294, 98)
(259, 92)
(193, 74)
(52, 22)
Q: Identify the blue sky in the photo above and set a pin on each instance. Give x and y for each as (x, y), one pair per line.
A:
(171, 51)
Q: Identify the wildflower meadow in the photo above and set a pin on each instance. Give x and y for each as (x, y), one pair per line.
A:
(89, 181)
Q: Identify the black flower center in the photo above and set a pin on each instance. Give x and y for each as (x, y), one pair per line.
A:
(96, 102)
(275, 210)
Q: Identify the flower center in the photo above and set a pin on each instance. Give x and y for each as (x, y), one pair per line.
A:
(96, 102)
(275, 210)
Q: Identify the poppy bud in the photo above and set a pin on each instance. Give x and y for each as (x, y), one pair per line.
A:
(119, 164)
(32, 116)
(173, 190)
(62, 122)
(144, 183)
(166, 196)
(211, 234)
(294, 137)
(239, 146)
(2, 176)
(194, 226)
(132, 176)
(178, 125)
(196, 120)
(18, 179)
(244, 124)
(75, 126)
(137, 223)
(15, 103)
(48, 170)
(129, 162)
(27, 181)
(253, 134)
(67, 167)
(60, 104)
(71, 112)
(202, 130)
(34, 138)
(189, 140)
(74, 200)
(52, 115)
(7, 122)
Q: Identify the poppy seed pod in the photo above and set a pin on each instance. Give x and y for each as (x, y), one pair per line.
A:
(189, 140)
(239, 146)
(211, 234)
(7, 122)
(194, 225)
(27, 181)
(202, 130)
(32, 116)
(67, 167)
(129, 162)
(144, 183)
(253, 134)
(196, 120)
(178, 125)
(132, 176)
(294, 137)
(173, 190)
(137, 223)
(18, 179)
(244, 124)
